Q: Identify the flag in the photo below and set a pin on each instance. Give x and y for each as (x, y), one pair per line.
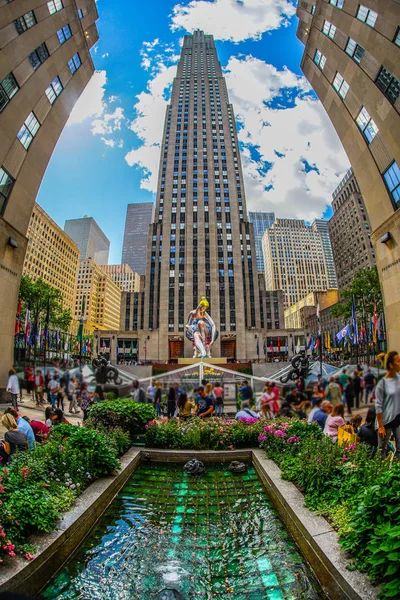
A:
(35, 329)
(66, 343)
(298, 346)
(318, 320)
(46, 326)
(355, 338)
(89, 346)
(131, 350)
(279, 344)
(103, 346)
(375, 329)
(257, 347)
(328, 340)
(310, 341)
(317, 343)
(343, 333)
(265, 348)
(312, 344)
(81, 321)
(293, 345)
(18, 318)
(271, 347)
(27, 328)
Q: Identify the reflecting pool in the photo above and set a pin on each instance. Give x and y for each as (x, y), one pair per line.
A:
(215, 536)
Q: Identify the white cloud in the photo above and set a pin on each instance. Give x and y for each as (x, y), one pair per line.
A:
(287, 138)
(152, 60)
(113, 143)
(108, 123)
(148, 126)
(234, 20)
(105, 55)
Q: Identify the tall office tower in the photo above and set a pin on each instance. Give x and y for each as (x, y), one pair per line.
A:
(92, 242)
(201, 241)
(261, 221)
(294, 260)
(126, 279)
(139, 216)
(321, 226)
(52, 256)
(349, 230)
(45, 65)
(352, 60)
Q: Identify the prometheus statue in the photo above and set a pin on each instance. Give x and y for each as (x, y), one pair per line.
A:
(201, 330)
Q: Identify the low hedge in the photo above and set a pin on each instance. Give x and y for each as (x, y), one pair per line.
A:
(203, 434)
(358, 492)
(39, 485)
(126, 414)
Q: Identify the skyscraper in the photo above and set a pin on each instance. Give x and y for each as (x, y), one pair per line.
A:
(352, 60)
(201, 241)
(44, 67)
(92, 242)
(321, 226)
(261, 221)
(294, 260)
(138, 219)
(349, 230)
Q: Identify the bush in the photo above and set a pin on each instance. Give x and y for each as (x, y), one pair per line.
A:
(111, 396)
(124, 414)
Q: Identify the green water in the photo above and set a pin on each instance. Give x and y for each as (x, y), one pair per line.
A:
(216, 536)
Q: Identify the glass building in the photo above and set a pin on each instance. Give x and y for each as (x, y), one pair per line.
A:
(261, 221)
(321, 226)
(92, 242)
(139, 216)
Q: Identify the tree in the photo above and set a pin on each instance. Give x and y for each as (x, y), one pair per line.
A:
(365, 289)
(38, 293)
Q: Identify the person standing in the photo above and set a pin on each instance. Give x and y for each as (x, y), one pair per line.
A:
(246, 391)
(185, 406)
(86, 400)
(138, 392)
(349, 394)
(13, 387)
(151, 392)
(357, 386)
(205, 407)
(171, 403)
(219, 399)
(157, 399)
(61, 392)
(39, 386)
(30, 382)
(73, 406)
(53, 388)
(387, 404)
(370, 383)
(333, 392)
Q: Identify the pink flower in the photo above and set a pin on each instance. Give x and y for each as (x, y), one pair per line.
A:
(293, 440)
(29, 556)
(318, 460)
(344, 459)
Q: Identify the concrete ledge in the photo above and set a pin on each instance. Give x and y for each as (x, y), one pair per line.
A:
(208, 456)
(317, 541)
(56, 547)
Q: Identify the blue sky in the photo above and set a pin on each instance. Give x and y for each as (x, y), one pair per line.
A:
(107, 155)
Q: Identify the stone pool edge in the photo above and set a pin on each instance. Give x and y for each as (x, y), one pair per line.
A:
(314, 536)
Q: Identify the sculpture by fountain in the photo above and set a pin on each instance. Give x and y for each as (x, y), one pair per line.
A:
(201, 330)
(105, 372)
(300, 368)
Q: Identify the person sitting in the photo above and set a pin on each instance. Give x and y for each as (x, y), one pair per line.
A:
(286, 410)
(367, 433)
(334, 421)
(317, 406)
(269, 398)
(40, 430)
(296, 400)
(15, 440)
(333, 393)
(321, 415)
(204, 408)
(22, 425)
(355, 422)
(58, 417)
(245, 412)
(185, 406)
(48, 413)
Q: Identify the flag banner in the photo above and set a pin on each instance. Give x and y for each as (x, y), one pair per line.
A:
(298, 346)
(46, 339)
(265, 348)
(18, 318)
(27, 328)
(343, 333)
(279, 344)
(257, 347)
(355, 338)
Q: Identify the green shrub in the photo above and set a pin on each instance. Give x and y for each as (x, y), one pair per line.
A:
(125, 414)
(111, 396)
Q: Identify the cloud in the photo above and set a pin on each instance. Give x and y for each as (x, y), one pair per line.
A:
(148, 125)
(292, 157)
(153, 60)
(92, 105)
(105, 55)
(113, 143)
(234, 20)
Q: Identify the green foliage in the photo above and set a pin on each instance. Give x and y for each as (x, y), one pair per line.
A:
(364, 287)
(157, 372)
(203, 434)
(125, 414)
(38, 293)
(111, 396)
(245, 370)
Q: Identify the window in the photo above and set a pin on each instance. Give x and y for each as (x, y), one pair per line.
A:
(8, 89)
(319, 59)
(54, 6)
(54, 90)
(355, 50)
(366, 15)
(329, 29)
(337, 3)
(397, 37)
(80, 13)
(388, 84)
(392, 180)
(28, 131)
(367, 125)
(25, 22)
(340, 85)
(6, 184)
(64, 34)
(74, 63)
(38, 56)
(313, 9)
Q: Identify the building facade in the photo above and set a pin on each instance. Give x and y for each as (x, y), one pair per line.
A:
(294, 260)
(352, 60)
(350, 231)
(201, 241)
(126, 279)
(139, 216)
(300, 314)
(51, 255)
(321, 226)
(100, 297)
(45, 65)
(90, 239)
(261, 221)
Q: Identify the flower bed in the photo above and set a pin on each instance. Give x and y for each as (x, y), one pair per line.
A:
(357, 492)
(203, 434)
(39, 485)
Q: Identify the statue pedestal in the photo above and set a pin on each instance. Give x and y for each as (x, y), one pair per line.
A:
(208, 361)
(121, 391)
